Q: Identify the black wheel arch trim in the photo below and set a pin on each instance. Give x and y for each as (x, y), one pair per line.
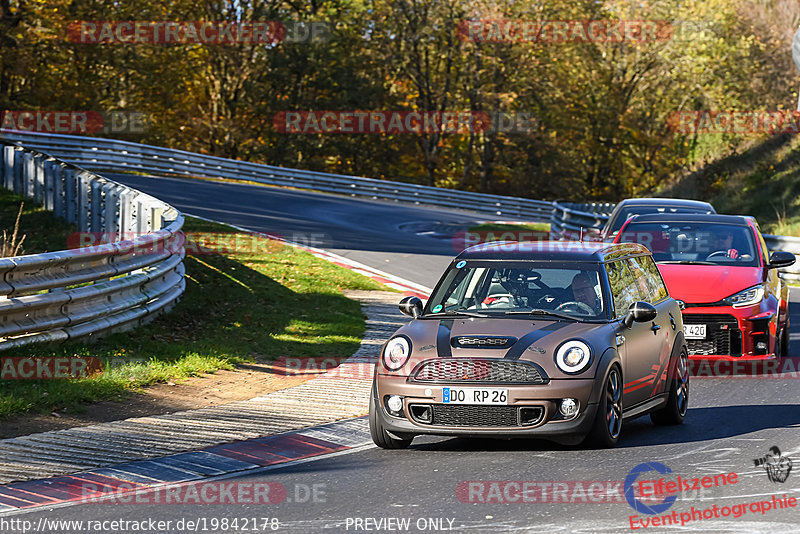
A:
(610, 357)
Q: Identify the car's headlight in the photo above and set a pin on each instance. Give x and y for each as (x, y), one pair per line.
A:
(748, 297)
(573, 356)
(396, 353)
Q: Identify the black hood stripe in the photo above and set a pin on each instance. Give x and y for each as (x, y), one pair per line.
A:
(530, 338)
(443, 349)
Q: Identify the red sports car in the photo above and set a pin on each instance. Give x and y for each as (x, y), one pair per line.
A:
(735, 305)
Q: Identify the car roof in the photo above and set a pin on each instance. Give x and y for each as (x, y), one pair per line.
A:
(654, 201)
(578, 251)
(736, 220)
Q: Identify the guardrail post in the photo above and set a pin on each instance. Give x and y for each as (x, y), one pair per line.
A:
(111, 210)
(59, 199)
(96, 202)
(156, 212)
(82, 209)
(8, 167)
(142, 225)
(28, 174)
(17, 171)
(126, 212)
(70, 195)
(38, 179)
(49, 185)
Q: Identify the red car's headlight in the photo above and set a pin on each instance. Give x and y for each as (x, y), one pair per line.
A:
(748, 297)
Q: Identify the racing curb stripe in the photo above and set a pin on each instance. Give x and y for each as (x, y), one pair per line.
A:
(236, 457)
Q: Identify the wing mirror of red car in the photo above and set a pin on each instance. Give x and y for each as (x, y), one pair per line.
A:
(780, 259)
(411, 306)
(640, 312)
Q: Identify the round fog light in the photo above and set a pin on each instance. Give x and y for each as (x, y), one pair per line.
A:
(395, 403)
(568, 408)
(761, 345)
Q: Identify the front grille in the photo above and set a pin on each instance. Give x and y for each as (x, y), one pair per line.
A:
(722, 335)
(480, 371)
(466, 415)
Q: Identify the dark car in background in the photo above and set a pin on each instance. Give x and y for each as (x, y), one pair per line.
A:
(735, 304)
(557, 340)
(645, 206)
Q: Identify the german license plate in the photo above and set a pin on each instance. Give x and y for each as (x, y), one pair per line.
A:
(474, 396)
(694, 331)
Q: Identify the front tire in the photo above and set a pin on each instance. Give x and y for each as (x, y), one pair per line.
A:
(608, 420)
(380, 436)
(678, 401)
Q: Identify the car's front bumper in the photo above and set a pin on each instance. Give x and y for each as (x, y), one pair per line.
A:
(747, 333)
(545, 397)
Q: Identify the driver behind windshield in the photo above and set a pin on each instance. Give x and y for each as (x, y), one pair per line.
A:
(583, 291)
(724, 243)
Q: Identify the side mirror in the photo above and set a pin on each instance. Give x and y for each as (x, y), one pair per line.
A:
(640, 312)
(780, 259)
(411, 306)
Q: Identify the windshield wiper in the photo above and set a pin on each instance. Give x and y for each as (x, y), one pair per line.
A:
(457, 313)
(539, 311)
(687, 262)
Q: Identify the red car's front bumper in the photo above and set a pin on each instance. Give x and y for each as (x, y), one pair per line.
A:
(746, 333)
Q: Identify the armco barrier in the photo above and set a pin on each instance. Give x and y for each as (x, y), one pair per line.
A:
(572, 219)
(121, 156)
(110, 287)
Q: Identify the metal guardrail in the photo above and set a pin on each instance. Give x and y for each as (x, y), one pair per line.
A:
(572, 219)
(112, 286)
(101, 155)
(122, 156)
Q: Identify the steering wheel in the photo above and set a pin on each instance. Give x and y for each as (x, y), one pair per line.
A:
(716, 254)
(578, 305)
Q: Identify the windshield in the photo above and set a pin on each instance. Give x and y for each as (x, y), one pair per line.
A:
(626, 213)
(701, 243)
(505, 288)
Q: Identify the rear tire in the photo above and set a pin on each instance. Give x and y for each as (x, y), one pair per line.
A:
(608, 420)
(678, 401)
(380, 436)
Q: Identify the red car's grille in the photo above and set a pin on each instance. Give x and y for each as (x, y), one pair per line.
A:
(480, 371)
(722, 335)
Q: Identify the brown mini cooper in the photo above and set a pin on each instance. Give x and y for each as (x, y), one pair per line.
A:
(558, 340)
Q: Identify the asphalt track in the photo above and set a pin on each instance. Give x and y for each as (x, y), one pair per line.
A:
(731, 421)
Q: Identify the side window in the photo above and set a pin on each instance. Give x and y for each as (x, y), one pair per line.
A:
(624, 288)
(646, 268)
